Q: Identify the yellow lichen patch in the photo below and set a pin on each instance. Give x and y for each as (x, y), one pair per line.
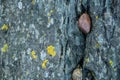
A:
(111, 62)
(33, 54)
(51, 50)
(5, 48)
(33, 2)
(51, 11)
(44, 63)
(4, 27)
(97, 17)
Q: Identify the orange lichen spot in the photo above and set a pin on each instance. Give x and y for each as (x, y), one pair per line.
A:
(51, 50)
(44, 63)
(33, 54)
(4, 27)
(5, 48)
(111, 62)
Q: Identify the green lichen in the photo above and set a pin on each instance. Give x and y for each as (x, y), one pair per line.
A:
(110, 62)
(33, 54)
(4, 27)
(4, 48)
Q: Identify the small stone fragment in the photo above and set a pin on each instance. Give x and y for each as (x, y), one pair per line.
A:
(84, 23)
(77, 74)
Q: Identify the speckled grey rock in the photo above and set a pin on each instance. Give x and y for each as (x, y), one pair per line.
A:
(34, 25)
(102, 58)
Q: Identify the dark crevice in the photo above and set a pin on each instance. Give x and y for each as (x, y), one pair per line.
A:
(88, 6)
(65, 57)
(64, 20)
(83, 9)
(67, 2)
(61, 54)
(76, 11)
(81, 62)
(89, 76)
(103, 7)
(106, 61)
(68, 20)
(105, 32)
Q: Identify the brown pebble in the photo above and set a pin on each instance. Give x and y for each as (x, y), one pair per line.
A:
(84, 23)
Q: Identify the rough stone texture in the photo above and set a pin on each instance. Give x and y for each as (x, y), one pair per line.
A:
(36, 24)
(102, 51)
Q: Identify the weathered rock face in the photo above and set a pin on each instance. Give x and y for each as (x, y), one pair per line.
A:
(102, 44)
(41, 40)
(33, 26)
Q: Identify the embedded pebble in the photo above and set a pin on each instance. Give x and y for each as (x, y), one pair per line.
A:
(84, 23)
(77, 74)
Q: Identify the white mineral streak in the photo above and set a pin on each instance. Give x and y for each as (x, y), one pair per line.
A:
(46, 74)
(43, 55)
(34, 30)
(53, 75)
(51, 22)
(20, 5)
(100, 39)
(28, 51)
